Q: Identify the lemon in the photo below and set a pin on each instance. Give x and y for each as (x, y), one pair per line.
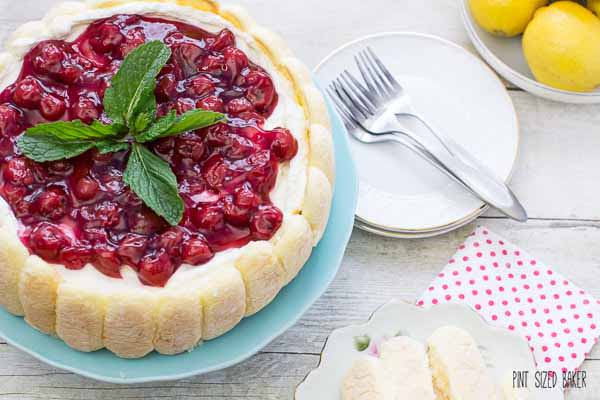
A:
(594, 5)
(562, 47)
(504, 17)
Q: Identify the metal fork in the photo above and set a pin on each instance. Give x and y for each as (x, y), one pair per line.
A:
(375, 108)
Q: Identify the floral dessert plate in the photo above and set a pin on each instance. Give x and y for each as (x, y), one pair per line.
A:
(502, 351)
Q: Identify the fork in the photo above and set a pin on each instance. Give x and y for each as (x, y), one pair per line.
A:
(375, 109)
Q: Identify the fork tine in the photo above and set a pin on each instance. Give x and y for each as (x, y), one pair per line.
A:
(353, 112)
(348, 120)
(378, 76)
(363, 90)
(356, 91)
(380, 90)
(350, 100)
(366, 77)
(384, 69)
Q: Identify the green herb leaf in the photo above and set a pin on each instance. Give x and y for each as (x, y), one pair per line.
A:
(192, 120)
(158, 128)
(361, 343)
(72, 130)
(43, 148)
(132, 88)
(170, 125)
(111, 146)
(151, 178)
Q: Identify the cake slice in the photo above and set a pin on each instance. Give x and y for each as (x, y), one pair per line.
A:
(401, 372)
(458, 368)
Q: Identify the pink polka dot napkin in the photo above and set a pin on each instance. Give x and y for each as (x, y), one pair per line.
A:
(511, 289)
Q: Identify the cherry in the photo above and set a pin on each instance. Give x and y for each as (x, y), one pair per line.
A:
(10, 120)
(145, 222)
(52, 107)
(109, 37)
(239, 147)
(156, 269)
(284, 146)
(166, 87)
(235, 214)
(52, 203)
(245, 197)
(47, 58)
(85, 109)
(214, 64)
(239, 105)
(211, 103)
(46, 240)
(86, 188)
(189, 146)
(208, 217)
(170, 241)
(132, 249)
(28, 93)
(261, 91)
(101, 215)
(200, 86)
(223, 39)
(106, 260)
(196, 251)
(215, 171)
(17, 171)
(60, 168)
(236, 61)
(265, 222)
(133, 38)
(185, 56)
(69, 74)
(76, 257)
(184, 105)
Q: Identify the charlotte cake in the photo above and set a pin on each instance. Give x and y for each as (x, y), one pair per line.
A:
(81, 257)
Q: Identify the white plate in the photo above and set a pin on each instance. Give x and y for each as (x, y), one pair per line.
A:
(503, 351)
(460, 95)
(506, 56)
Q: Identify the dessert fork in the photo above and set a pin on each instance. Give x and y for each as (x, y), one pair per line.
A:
(375, 107)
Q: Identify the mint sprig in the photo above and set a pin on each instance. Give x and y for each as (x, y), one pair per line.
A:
(130, 104)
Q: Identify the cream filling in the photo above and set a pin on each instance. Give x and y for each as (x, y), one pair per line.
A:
(291, 181)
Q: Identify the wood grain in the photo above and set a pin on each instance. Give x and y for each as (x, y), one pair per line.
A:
(556, 177)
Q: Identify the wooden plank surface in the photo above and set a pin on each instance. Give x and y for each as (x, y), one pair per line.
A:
(557, 178)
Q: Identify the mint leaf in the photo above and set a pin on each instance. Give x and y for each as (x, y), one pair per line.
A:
(192, 120)
(132, 88)
(171, 125)
(111, 146)
(158, 128)
(43, 148)
(72, 130)
(151, 178)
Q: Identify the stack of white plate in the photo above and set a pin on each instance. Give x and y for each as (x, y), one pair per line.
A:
(400, 194)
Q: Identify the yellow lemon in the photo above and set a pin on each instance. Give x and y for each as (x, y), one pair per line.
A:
(594, 5)
(504, 17)
(562, 47)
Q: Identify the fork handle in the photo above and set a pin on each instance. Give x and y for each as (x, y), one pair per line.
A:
(486, 187)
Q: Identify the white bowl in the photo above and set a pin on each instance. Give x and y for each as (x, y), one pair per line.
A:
(506, 56)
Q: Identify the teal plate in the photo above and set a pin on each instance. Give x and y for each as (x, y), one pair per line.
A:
(247, 338)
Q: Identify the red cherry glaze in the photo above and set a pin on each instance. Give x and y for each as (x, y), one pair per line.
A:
(79, 211)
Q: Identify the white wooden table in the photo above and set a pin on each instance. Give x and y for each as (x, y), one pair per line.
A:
(557, 177)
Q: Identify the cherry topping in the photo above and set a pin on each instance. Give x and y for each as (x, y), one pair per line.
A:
(80, 211)
(265, 222)
(46, 240)
(156, 269)
(28, 93)
(196, 251)
(10, 120)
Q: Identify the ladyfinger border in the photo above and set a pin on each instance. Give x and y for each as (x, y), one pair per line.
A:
(135, 322)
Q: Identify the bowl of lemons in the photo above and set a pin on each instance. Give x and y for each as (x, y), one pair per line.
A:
(549, 48)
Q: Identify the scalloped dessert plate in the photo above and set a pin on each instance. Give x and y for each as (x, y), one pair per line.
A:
(247, 338)
(502, 350)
